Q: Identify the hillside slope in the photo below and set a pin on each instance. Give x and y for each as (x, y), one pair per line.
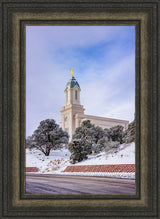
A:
(58, 160)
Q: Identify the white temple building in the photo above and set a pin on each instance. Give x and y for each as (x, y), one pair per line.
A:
(72, 114)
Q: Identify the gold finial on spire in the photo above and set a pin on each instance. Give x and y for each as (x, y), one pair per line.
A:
(72, 72)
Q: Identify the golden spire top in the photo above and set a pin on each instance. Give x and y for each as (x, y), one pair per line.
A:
(72, 72)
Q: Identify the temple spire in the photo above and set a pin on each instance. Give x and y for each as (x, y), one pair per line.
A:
(72, 72)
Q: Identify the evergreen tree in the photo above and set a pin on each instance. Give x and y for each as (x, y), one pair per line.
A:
(29, 142)
(85, 134)
(49, 136)
(115, 133)
(89, 138)
(78, 152)
(129, 134)
(100, 145)
(91, 135)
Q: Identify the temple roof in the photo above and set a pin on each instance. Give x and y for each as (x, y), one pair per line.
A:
(72, 83)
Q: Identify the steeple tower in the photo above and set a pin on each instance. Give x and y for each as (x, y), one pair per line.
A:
(72, 114)
(72, 91)
(72, 106)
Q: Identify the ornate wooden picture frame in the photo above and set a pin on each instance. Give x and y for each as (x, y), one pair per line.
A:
(15, 15)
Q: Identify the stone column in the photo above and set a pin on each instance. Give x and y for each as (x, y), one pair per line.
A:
(76, 121)
(70, 126)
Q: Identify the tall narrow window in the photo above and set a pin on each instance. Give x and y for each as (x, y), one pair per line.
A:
(67, 96)
(76, 94)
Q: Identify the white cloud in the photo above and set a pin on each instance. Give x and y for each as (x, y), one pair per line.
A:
(104, 94)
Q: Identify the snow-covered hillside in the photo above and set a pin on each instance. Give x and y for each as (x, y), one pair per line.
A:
(124, 155)
(55, 162)
(58, 160)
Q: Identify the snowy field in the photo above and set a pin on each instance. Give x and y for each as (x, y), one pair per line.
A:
(124, 155)
(58, 160)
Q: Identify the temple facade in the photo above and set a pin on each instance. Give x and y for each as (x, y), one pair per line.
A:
(72, 114)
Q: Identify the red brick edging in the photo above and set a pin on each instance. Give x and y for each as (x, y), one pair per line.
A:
(101, 168)
(31, 169)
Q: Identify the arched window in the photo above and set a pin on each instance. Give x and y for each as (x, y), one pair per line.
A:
(76, 94)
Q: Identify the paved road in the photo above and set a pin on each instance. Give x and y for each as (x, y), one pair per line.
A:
(58, 184)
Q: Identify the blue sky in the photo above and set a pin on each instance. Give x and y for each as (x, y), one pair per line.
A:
(103, 59)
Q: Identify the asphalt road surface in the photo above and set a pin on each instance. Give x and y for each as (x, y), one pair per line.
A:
(60, 184)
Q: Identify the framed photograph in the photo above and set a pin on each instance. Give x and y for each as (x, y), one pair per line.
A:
(72, 65)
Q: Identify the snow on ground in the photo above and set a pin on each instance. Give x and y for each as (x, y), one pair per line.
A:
(108, 174)
(124, 155)
(58, 160)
